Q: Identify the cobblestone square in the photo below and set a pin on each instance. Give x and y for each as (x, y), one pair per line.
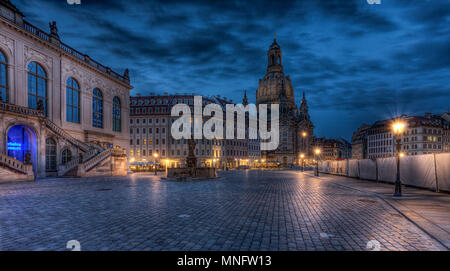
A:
(241, 210)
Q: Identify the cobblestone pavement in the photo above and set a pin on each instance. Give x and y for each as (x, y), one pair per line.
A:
(242, 210)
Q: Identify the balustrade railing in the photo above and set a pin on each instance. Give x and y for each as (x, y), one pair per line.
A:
(63, 169)
(83, 146)
(97, 159)
(10, 162)
(21, 109)
(66, 48)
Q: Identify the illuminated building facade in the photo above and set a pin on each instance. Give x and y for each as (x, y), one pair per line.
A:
(61, 112)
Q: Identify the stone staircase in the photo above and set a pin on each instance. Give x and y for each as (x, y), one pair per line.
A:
(72, 164)
(92, 154)
(12, 169)
(85, 147)
(91, 163)
(16, 165)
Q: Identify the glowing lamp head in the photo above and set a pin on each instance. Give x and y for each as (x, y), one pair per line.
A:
(304, 134)
(317, 151)
(155, 155)
(398, 127)
(302, 156)
(402, 154)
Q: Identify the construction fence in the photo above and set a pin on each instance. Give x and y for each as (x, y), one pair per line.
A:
(431, 171)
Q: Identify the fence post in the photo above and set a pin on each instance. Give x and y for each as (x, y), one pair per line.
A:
(435, 173)
(359, 169)
(376, 169)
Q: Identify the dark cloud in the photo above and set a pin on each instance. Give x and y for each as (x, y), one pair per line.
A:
(356, 62)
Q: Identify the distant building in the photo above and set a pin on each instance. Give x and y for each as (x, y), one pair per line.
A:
(359, 142)
(296, 128)
(150, 131)
(423, 135)
(345, 148)
(332, 149)
(446, 130)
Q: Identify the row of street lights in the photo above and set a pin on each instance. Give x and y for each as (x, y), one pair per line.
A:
(316, 155)
(398, 128)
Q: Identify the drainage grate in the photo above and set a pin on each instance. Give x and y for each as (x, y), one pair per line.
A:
(367, 200)
(346, 210)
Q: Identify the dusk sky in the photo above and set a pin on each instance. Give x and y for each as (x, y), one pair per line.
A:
(357, 63)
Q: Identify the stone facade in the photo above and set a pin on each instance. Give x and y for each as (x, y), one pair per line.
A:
(359, 142)
(426, 134)
(332, 149)
(40, 67)
(296, 128)
(150, 131)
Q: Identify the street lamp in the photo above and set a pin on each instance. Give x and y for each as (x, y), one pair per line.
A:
(302, 156)
(317, 153)
(304, 134)
(156, 156)
(398, 128)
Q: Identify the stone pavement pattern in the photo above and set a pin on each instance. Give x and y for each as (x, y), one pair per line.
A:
(243, 210)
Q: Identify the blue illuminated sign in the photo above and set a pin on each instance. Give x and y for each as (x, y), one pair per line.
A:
(14, 146)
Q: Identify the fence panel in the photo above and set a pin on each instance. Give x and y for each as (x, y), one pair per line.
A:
(368, 169)
(387, 169)
(353, 170)
(443, 171)
(418, 170)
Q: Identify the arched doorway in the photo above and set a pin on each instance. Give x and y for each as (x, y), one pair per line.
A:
(20, 140)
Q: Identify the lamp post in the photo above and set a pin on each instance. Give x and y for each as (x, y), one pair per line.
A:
(398, 128)
(156, 156)
(302, 156)
(317, 153)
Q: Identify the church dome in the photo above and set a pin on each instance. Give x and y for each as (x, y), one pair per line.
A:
(275, 85)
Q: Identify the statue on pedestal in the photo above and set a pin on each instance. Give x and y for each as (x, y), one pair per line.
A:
(53, 29)
(27, 160)
(191, 160)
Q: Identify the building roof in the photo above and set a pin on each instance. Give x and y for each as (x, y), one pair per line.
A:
(46, 37)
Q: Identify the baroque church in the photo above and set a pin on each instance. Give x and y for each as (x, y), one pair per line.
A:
(296, 128)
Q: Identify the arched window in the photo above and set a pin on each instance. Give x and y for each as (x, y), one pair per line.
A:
(116, 114)
(3, 78)
(66, 156)
(72, 101)
(97, 108)
(50, 155)
(37, 86)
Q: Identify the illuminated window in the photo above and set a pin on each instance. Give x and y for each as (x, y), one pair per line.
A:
(72, 101)
(37, 86)
(116, 115)
(97, 108)
(3, 78)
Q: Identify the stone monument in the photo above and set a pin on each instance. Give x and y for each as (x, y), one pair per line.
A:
(191, 171)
